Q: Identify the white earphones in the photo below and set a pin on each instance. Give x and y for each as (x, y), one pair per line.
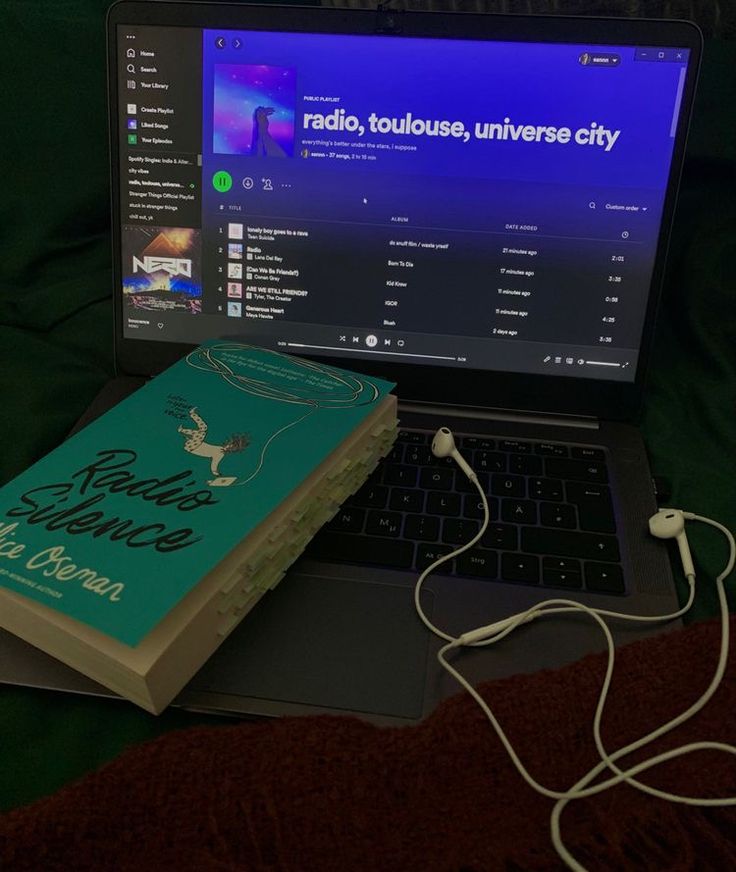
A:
(666, 524)
(443, 445)
(670, 524)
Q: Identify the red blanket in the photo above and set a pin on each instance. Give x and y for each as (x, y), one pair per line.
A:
(330, 793)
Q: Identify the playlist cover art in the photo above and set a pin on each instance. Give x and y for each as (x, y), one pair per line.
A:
(162, 269)
(254, 110)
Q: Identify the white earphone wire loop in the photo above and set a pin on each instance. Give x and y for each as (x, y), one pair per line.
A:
(608, 760)
(579, 790)
(495, 632)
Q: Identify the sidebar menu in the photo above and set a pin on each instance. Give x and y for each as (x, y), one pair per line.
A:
(160, 135)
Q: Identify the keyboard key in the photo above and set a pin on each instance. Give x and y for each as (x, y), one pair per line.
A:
(557, 578)
(479, 564)
(433, 478)
(598, 520)
(443, 461)
(580, 452)
(396, 454)
(466, 486)
(348, 548)
(370, 496)
(349, 520)
(422, 527)
(418, 455)
(458, 531)
(580, 470)
(403, 500)
(546, 489)
(515, 446)
(473, 442)
(439, 503)
(569, 543)
(578, 492)
(488, 461)
(563, 564)
(404, 476)
(551, 449)
(557, 515)
(604, 578)
(525, 464)
(413, 436)
(427, 554)
(519, 511)
(508, 486)
(500, 536)
(383, 523)
(595, 509)
(473, 507)
(520, 567)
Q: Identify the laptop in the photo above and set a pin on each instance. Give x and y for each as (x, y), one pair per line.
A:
(474, 206)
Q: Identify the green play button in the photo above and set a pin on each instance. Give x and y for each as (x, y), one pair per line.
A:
(222, 181)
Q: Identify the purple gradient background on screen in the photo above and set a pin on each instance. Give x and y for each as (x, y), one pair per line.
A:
(470, 81)
(239, 89)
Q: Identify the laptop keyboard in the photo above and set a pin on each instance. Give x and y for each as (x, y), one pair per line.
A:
(551, 516)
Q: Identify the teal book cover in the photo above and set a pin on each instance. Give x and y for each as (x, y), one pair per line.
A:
(116, 525)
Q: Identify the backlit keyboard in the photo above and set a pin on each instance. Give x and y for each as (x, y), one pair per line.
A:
(551, 515)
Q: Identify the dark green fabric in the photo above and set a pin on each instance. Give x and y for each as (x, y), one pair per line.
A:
(55, 281)
(56, 349)
(689, 418)
(53, 211)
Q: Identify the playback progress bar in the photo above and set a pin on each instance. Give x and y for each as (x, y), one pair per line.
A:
(369, 351)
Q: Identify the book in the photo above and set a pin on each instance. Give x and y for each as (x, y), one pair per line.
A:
(133, 549)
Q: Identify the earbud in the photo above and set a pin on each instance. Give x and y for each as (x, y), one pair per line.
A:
(670, 524)
(443, 445)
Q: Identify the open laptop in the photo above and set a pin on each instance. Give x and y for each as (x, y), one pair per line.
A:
(476, 207)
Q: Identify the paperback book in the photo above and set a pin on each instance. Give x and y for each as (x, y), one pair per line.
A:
(132, 550)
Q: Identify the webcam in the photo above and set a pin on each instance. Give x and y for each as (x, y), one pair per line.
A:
(388, 21)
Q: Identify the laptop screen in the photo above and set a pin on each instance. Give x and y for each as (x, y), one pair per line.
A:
(490, 205)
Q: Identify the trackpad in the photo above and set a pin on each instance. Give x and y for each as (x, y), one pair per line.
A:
(333, 642)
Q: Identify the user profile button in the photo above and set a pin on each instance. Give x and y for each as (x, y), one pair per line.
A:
(599, 59)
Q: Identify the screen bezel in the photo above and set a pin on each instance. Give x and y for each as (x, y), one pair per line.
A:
(426, 383)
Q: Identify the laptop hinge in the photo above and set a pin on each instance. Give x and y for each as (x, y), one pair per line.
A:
(510, 415)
